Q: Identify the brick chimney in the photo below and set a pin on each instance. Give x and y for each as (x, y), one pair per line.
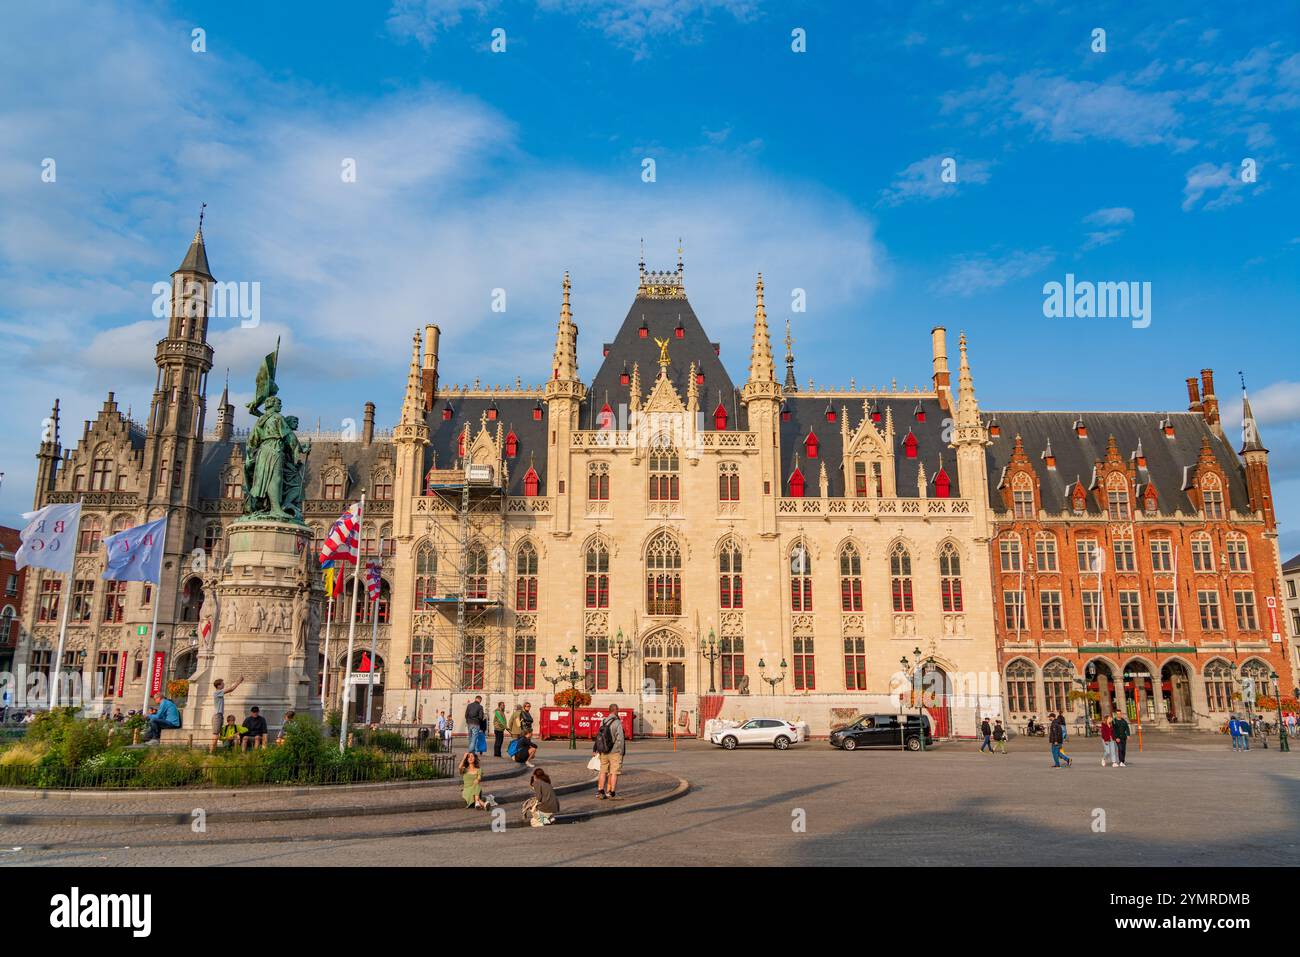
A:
(368, 424)
(1209, 401)
(942, 377)
(1193, 395)
(430, 371)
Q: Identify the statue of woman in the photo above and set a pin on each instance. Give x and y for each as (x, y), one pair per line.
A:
(301, 619)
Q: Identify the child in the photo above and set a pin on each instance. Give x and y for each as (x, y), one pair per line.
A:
(231, 731)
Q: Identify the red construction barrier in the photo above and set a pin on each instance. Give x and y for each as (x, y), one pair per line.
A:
(555, 722)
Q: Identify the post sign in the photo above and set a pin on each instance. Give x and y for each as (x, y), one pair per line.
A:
(156, 685)
(121, 675)
(363, 678)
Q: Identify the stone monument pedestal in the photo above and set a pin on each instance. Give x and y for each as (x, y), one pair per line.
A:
(266, 624)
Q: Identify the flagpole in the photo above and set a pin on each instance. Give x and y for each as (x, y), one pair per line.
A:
(325, 676)
(374, 632)
(63, 623)
(153, 629)
(352, 628)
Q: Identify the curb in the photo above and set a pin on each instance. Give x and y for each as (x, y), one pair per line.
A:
(680, 789)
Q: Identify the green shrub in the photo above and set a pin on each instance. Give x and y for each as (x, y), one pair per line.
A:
(171, 768)
(83, 740)
(52, 726)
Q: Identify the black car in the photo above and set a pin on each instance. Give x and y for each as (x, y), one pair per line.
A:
(883, 731)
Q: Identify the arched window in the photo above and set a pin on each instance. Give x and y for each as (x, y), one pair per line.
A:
(1045, 552)
(728, 482)
(796, 483)
(1057, 681)
(1020, 687)
(733, 662)
(368, 609)
(950, 578)
(598, 482)
(333, 486)
(212, 538)
(1218, 685)
(664, 481)
(597, 582)
(1202, 553)
(476, 572)
(810, 445)
(531, 483)
(1009, 552)
(1117, 507)
(1212, 497)
(731, 591)
(663, 571)
(426, 575)
(512, 445)
(850, 578)
(801, 593)
(191, 599)
(120, 524)
(383, 485)
(101, 470)
(526, 578)
(1238, 553)
(900, 577)
(720, 418)
(1256, 671)
(1022, 496)
(92, 534)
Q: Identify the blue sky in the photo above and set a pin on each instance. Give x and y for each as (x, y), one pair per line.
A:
(479, 170)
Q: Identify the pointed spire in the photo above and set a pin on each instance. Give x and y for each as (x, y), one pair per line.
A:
(565, 366)
(760, 353)
(196, 257)
(413, 401)
(692, 390)
(1250, 440)
(967, 406)
(634, 398)
(791, 384)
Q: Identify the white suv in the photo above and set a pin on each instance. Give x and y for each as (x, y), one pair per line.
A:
(772, 732)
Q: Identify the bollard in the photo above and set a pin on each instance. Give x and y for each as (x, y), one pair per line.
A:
(191, 741)
(349, 739)
(135, 736)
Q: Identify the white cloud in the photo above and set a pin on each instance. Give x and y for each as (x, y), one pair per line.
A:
(969, 275)
(1110, 216)
(1220, 182)
(924, 179)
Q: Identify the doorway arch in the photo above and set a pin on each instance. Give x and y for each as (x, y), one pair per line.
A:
(1101, 685)
(1140, 691)
(1176, 692)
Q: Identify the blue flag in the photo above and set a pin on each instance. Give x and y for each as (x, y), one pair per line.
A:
(136, 555)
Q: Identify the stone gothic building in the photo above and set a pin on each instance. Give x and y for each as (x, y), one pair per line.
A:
(693, 546)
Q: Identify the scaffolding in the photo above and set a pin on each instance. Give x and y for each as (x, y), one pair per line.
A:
(467, 528)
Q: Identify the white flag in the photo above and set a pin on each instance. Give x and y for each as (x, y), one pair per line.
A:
(50, 538)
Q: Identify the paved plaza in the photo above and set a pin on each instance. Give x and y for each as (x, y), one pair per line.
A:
(1182, 802)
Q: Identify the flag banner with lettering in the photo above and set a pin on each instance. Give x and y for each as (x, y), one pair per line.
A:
(373, 580)
(341, 543)
(136, 554)
(49, 540)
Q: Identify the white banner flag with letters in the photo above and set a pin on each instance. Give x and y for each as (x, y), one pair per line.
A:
(50, 538)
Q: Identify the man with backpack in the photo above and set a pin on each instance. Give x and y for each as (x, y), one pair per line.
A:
(1119, 727)
(610, 747)
(473, 718)
(1056, 738)
(999, 737)
(985, 733)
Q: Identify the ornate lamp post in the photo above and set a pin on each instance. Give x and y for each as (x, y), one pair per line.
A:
(568, 672)
(621, 651)
(554, 681)
(712, 653)
(913, 671)
(1282, 742)
(775, 680)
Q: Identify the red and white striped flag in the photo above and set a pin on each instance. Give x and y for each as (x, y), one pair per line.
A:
(372, 580)
(341, 543)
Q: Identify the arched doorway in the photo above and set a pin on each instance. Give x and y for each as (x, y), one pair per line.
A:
(663, 660)
(362, 667)
(1176, 693)
(185, 663)
(936, 696)
(1140, 692)
(1101, 689)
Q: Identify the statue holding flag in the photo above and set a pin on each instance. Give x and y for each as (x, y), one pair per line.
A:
(274, 460)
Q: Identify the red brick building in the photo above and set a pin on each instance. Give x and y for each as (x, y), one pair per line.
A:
(1135, 554)
(11, 580)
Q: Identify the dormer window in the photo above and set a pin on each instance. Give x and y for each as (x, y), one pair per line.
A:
(680, 331)
(785, 412)
(447, 412)
(699, 378)
(720, 418)
(919, 412)
(512, 445)
(942, 484)
(909, 445)
(531, 483)
(460, 445)
(492, 413)
(994, 429)
(644, 331)
(811, 445)
(830, 413)
(796, 483)
(537, 412)
(1080, 429)
(1167, 426)
(605, 418)
(876, 415)
(624, 378)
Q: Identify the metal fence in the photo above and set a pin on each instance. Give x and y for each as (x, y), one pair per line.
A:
(401, 737)
(177, 768)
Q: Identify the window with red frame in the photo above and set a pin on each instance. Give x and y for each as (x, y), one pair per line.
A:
(598, 482)
(114, 601)
(850, 579)
(942, 484)
(811, 445)
(476, 573)
(909, 445)
(855, 664)
(471, 672)
(950, 578)
(900, 578)
(728, 482)
(733, 662)
(720, 418)
(801, 594)
(805, 665)
(597, 582)
(531, 483)
(48, 607)
(526, 578)
(596, 664)
(731, 593)
(512, 445)
(525, 663)
(796, 484)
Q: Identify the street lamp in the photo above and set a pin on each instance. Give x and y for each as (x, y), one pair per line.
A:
(1282, 743)
(914, 672)
(712, 653)
(569, 672)
(554, 681)
(772, 682)
(621, 652)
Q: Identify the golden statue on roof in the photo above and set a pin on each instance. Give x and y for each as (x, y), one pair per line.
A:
(663, 352)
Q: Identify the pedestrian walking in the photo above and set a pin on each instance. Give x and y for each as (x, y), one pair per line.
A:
(1000, 737)
(611, 747)
(1244, 726)
(473, 719)
(1119, 727)
(1056, 738)
(985, 733)
(499, 725)
(1234, 729)
(1108, 752)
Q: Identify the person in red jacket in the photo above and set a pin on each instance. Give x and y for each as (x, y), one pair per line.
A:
(1108, 752)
